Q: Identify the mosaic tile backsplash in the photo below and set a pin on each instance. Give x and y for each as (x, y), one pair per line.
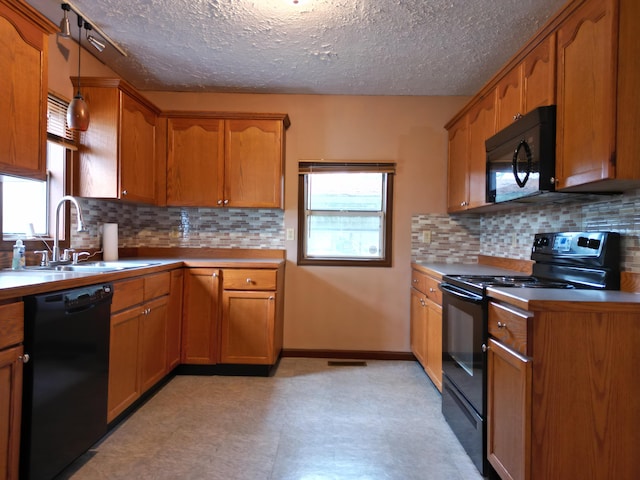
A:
(509, 233)
(148, 226)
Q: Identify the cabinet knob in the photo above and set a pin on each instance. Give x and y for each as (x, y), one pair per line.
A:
(124, 193)
(552, 180)
(219, 202)
(215, 275)
(502, 325)
(271, 298)
(24, 358)
(432, 290)
(415, 280)
(463, 204)
(249, 281)
(225, 202)
(517, 116)
(485, 348)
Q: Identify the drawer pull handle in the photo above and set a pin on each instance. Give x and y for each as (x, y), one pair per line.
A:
(24, 358)
(502, 325)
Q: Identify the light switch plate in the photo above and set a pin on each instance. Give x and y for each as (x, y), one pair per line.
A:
(291, 234)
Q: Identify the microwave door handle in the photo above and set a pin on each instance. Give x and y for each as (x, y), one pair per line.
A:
(461, 294)
(514, 162)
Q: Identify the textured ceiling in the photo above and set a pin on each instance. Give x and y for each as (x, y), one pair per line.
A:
(366, 47)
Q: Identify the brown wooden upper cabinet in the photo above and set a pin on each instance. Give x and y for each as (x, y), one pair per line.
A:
(119, 152)
(217, 161)
(467, 157)
(529, 85)
(598, 97)
(23, 83)
(584, 60)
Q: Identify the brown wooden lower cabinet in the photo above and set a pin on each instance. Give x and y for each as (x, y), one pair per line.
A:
(247, 328)
(563, 395)
(11, 366)
(137, 352)
(200, 316)
(426, 324)
(509, 412)
(174, 319)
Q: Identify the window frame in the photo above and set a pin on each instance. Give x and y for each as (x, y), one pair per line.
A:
(306, 168)
(67, 139)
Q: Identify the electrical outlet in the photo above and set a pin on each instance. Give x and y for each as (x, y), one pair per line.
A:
(426, 236)
(291, 234)
(514, 239)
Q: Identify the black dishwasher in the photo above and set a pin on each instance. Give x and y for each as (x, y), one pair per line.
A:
(64, 409)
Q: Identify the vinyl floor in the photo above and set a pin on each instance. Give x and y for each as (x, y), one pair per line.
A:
(310, 421)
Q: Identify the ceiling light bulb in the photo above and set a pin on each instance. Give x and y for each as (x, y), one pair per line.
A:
(65, 27)
(97, 44)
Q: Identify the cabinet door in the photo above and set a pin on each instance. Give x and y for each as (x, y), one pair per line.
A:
(138, 162)
(509, 98)
(434, 343)
(458, 186)
(201, 312)
(509, 412)
(585, 143)
(152, 342)
(253, 174)
(174, 320)
(10, 411)
(481, 126)
(195, 162)
(418, 328)
(124, 384)
(23, 73)
(247, 327)
(539, 76)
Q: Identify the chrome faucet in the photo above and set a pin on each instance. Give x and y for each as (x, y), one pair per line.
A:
(56, 239)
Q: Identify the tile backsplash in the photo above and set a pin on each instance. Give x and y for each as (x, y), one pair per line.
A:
(151, 226)
(509, 233)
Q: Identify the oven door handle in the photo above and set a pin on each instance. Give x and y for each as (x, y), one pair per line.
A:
(460, 293)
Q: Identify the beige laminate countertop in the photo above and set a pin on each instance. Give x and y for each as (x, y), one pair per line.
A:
(540, 299)
(15, 284)
(439, 270)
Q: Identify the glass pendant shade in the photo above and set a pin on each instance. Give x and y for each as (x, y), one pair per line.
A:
(78, 114)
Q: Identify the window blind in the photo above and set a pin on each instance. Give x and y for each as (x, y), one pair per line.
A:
(57, 130)
(346, 167)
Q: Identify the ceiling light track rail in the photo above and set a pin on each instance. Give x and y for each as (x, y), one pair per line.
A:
(68, 6)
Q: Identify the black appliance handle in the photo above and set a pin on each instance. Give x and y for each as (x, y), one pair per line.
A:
(514, 162)
(463, 295)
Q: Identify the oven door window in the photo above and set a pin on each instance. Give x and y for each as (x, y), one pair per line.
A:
(462, 356)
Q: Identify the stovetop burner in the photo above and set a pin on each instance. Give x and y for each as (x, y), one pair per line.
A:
(524, 281)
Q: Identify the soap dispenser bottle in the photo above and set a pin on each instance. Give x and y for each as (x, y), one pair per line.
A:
(18, 261)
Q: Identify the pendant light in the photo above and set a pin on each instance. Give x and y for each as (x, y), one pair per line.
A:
(78, 111)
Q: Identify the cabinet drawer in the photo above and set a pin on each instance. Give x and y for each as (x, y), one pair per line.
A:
(419, 281)
(249, 279)
(432, 291)
(127, 293)
(509, 326)
(156, 285)
(11, 324)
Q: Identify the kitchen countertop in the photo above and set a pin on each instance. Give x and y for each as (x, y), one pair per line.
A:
(15, 284)
(539, 299)
(439, 270)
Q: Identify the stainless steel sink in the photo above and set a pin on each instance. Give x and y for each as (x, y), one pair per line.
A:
(89, 267)
(98, 267)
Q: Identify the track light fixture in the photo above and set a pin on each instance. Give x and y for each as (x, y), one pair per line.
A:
(65, 27)
(95, 43)
(89, 25)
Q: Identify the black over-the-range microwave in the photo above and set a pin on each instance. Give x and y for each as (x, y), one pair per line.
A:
(521, 158)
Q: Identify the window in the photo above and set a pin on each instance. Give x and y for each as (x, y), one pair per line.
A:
(344, 214)
(26, 201)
